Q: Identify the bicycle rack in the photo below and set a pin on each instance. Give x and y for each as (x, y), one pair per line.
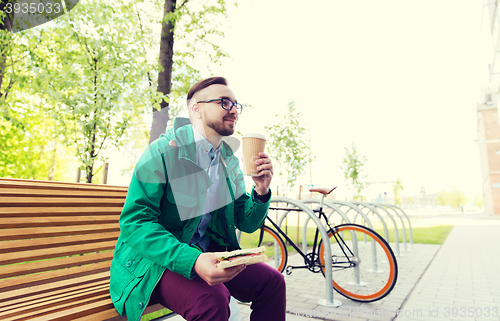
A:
(329, 301)
(356, 209)
(357, 277)
(385, 208)
(327, 203)
(374, 210)
(365, 217)
(396, 231)
(394, 207)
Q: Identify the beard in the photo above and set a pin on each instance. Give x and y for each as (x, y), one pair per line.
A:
(220, 128)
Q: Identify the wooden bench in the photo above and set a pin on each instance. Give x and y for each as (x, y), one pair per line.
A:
(56, 245)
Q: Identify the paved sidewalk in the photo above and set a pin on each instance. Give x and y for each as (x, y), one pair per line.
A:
(463, 281)
(305, 289)
(434, 283)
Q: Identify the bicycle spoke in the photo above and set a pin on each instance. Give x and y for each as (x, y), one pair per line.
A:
(373, 269)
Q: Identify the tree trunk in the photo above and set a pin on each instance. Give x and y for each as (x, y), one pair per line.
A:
(160, 117)
(6, 24)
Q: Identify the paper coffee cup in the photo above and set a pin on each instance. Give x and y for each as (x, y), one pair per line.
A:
(253, 144)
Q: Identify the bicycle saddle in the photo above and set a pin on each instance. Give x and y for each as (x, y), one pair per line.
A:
(324, 191)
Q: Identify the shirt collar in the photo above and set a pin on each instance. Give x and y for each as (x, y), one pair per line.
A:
(203, 144)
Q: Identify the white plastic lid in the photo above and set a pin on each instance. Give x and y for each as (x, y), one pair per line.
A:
(254, 135)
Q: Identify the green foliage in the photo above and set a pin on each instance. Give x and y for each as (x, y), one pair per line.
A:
(455, 198)
(353, 166)
(28, 134)
(287, 146)
(93, 73)
(29, 150)
(398, 186)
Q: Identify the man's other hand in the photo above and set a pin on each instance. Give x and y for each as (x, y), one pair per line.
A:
(206, 267)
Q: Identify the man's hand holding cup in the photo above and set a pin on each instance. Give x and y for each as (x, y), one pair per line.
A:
(257, 164)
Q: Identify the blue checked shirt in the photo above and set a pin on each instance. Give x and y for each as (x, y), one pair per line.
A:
(207, 157)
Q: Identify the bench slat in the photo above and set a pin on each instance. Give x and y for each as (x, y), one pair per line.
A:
(44, 229)
(54, 252)
(35, 244)
(40, 232)
(59, 201)
(55, 264)
(55, 221)
(20, 183)
(38, 192)
(53, 276)
(91, 309)
(33, 292)
(50, 301)
(47, 211)
(78, 308)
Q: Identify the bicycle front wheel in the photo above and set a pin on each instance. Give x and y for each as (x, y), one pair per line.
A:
(363, 264)
(276, 250)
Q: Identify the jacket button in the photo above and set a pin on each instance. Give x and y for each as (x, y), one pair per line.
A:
(141, 305)
(190, 230)
(129, 264)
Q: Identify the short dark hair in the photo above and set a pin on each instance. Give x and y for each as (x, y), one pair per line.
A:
(202, 84)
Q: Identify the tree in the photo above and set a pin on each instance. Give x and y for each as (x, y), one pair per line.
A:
(179, 21)
(94, 75)
(6, 47)
(287, 147)
(398, 186)
(455, 198)
(29, 147)
(353, 166)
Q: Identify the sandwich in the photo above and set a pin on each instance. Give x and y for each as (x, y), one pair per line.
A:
(238, 257)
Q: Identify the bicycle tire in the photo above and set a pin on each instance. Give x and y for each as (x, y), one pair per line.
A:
(280, 258)
(366, 281)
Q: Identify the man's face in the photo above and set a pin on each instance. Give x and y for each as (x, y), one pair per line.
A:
(213, 116)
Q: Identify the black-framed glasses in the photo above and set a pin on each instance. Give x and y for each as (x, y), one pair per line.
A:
(225, 103)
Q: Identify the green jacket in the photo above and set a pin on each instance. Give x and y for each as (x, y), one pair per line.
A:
(162, 210)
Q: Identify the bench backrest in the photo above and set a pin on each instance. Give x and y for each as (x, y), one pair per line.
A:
(56, 244)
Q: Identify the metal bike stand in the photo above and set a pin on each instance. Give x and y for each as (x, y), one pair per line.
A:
(354, 208)
(327, 203)
(357, 275)
(409, 222)
(396, 231)
(329, 301)
(386, 206)
(396, 234)
(384, 225)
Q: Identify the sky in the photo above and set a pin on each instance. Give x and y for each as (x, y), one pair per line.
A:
(399, 79)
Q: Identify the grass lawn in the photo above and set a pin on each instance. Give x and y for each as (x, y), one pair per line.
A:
(155, 314)
(424, 235)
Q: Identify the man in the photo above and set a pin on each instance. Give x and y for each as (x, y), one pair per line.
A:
(185, 199)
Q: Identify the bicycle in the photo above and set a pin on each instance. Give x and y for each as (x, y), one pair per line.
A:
(359, 256)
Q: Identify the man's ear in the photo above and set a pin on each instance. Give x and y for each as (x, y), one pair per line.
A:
(195, 108)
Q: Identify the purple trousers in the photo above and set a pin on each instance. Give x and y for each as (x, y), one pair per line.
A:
(194, 299)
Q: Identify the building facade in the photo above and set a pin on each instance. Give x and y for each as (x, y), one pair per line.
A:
(488, 121)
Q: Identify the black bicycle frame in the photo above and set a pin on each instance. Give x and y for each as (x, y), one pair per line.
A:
(310, 262)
